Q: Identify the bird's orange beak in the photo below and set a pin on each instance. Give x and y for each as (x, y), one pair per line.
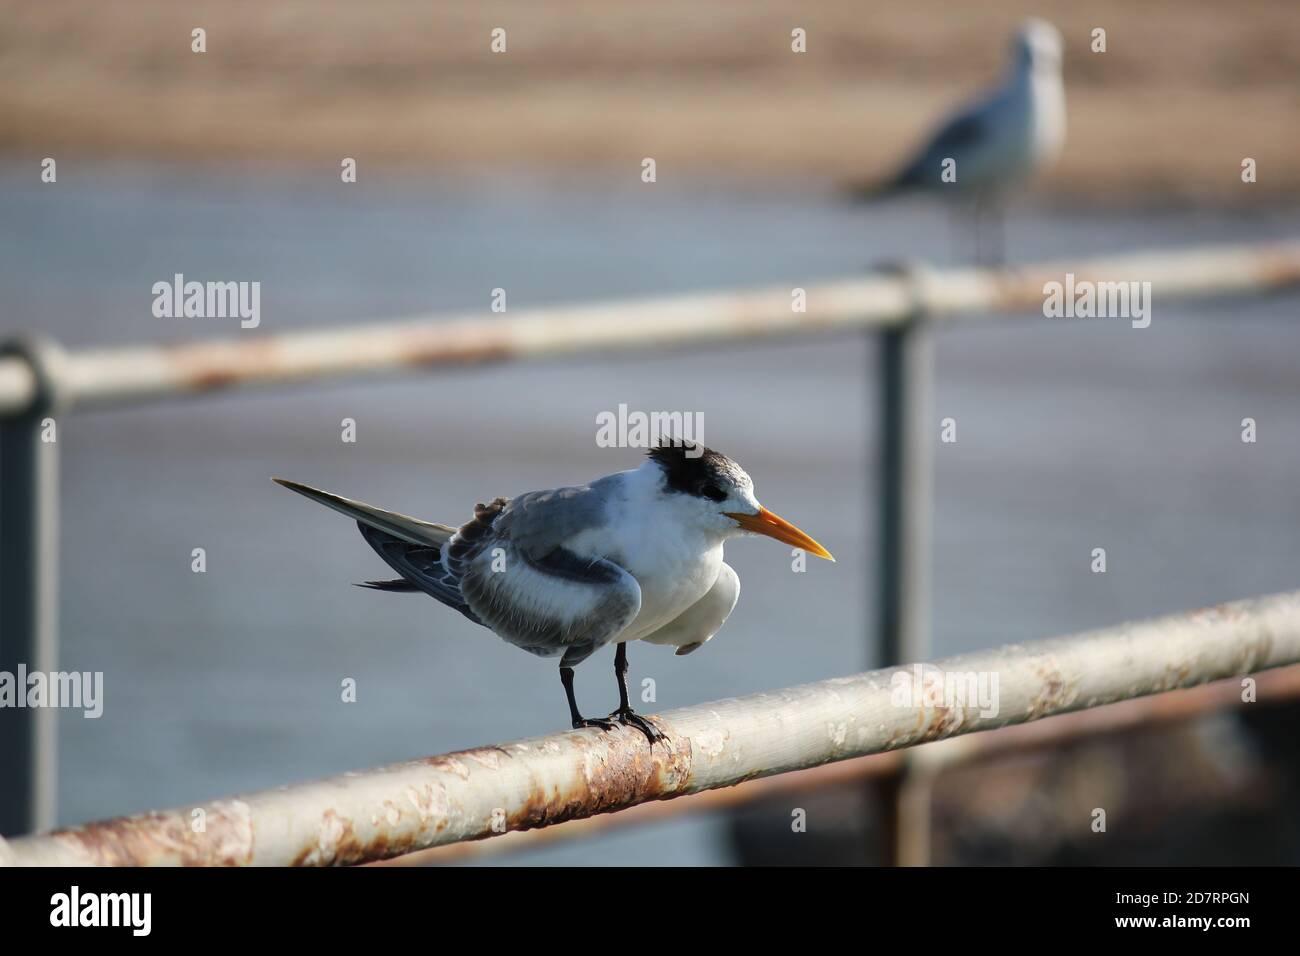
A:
(774, 526)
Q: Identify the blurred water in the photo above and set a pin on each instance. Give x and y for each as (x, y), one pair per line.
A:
(1071, 435)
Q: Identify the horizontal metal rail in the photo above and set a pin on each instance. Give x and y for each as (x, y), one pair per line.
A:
(106, 376)
(1159, 710)
(480, 793)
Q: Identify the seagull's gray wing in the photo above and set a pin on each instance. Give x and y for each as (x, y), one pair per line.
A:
(516, 574)
(954, 139)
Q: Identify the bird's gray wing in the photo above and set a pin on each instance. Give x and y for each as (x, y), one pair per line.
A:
(508, 568)
(541, 521)
(689, 630)
(956, 137)
(517, 575)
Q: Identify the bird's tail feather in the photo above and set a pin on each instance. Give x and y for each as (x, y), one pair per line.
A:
(400, 584)
(877, 191)
(409, 529)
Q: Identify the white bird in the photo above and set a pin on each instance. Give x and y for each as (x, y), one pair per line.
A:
(993, 145)
(633, 556)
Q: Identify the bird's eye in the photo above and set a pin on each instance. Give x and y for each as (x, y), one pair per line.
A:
(713, 493)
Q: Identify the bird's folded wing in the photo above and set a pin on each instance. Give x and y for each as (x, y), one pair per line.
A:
(517, 575)
(553, 603)
(956, 139)
(541, 521)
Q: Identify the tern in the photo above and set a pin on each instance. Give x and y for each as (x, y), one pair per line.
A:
(995, 144)
(632, 556)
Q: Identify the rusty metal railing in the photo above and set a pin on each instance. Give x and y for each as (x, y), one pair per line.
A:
(113, 375)
(489, 791)
(40, 381)
(926, 761)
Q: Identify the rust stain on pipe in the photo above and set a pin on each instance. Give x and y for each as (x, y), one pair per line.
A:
(1055, 693)
(206, 367)
(214, 366)
(480, 352)
(336, 845)
(602, 776)
(1016, 289)
(166, 838)
(609, 778)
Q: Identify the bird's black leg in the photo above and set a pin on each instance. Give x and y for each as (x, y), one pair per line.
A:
(625, 714)
(566, 678)
(989, 216)
(998, 233)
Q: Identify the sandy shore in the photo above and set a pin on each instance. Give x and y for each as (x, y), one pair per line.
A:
(1186, 89)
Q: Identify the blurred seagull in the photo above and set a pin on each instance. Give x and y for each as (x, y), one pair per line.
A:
(1000, 141)
(633, 556)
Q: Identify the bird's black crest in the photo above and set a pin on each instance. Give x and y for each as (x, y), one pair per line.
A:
(703, 472)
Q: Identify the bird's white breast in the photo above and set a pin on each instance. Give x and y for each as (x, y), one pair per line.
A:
(1047, 96)
(649, 534)
(1024, 131)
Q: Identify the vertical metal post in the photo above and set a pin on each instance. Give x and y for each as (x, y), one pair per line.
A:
(906, 369)
(29, 489)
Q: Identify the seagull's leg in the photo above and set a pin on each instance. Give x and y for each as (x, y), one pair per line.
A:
(566, 678)
(958, 233)
(989, 215)
(999, 230)
(625, 714)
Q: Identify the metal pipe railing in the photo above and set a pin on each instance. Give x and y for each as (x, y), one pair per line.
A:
(107, 376)
(480, 793)
(1273, 687)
